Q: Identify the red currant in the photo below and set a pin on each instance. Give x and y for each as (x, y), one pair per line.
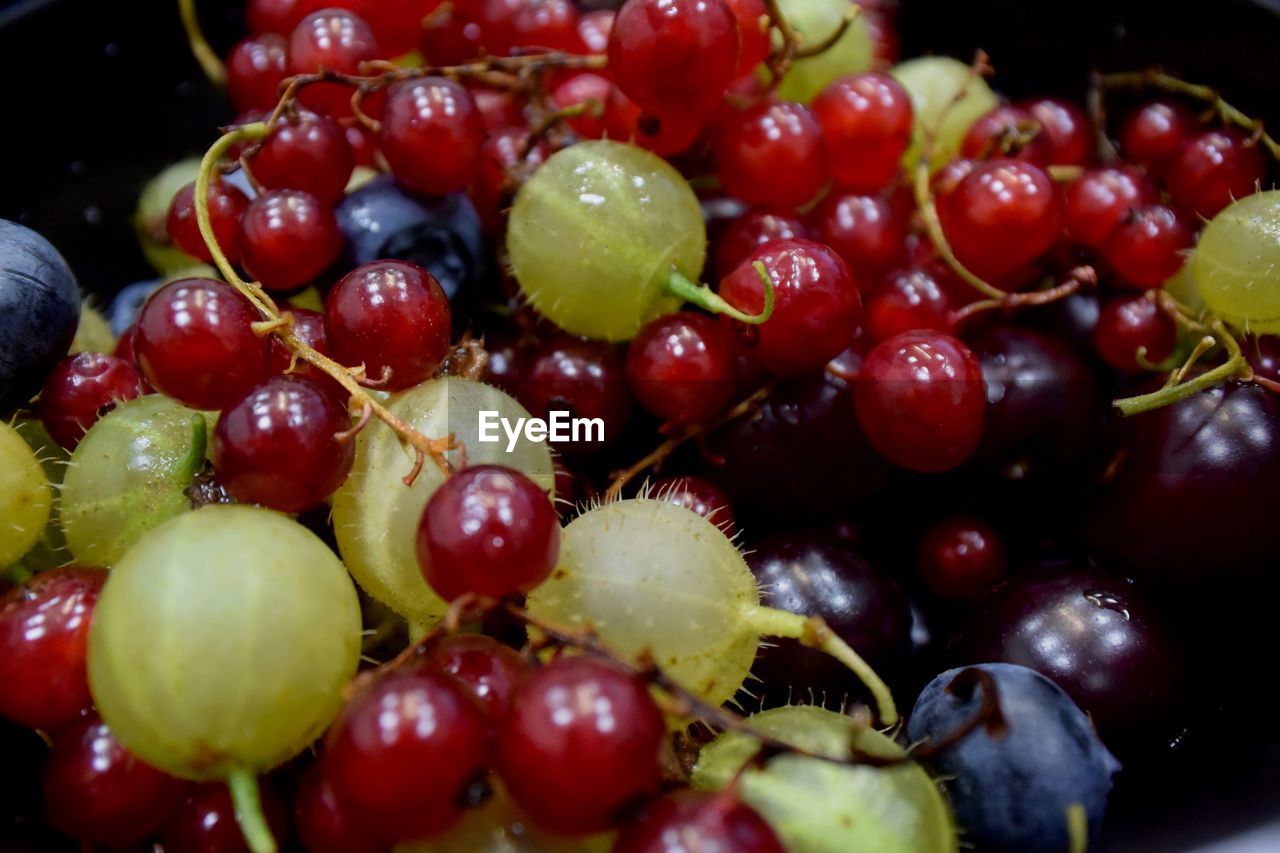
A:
(585, 378)
(961, 557)
(754, 28)
(907, 300)
(586, 88)
(1154, 134)
(1148, 247)
(771, 154)
(330, 40)
(681, 367)
(205, 822)
(323, 823)
(594, 28)
(491, 192)
(750, 230)
(308, 153)
(667, 134)
(1130, 323)
(276, 16)
(674, 55)
(1006, 131)
(1215, 168)
(864, 230)
(431, 135)
(866, 122)
(82, 388)
(490, 671)
(226, 205)
(450, 35)
(544, 25)
(255, 69)
(1100, 199)
(1065, 129)
(308, 327)
(287, 238)
(698, 822)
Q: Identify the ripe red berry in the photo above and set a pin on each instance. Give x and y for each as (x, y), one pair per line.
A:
(864, 230)
(1215, 168)
(81, 389)
(195, 342)
(689, 821)
(226, 205)
(961, 557)
(279, 445)
(545, 25)
(1006, 131)
(205, 821)
(750, 230)
(674, 55)
(1130, 323)
(866, 123)
(308, 153)
(488, 531)
(330, 40)
(585, 88)
(588, 379)
(490, 671)
(44, 636)
(451, 33)
(771, 155)
(1148, 247)
(583, 739)
(665, 134)
(491, 192)
(287, 238)
(682, 367)
(907, 300)
(276, 16)
(406, 723)
(754, 28)
(816, 309)
(322, 821)
(308, 327)
(700, 496)
(921, 401)
(1066, 131)
(392, 317)
(431, 135)
(594, 28)
(255, 69)
(1100, 199)
(99, 794)
(1154, 134)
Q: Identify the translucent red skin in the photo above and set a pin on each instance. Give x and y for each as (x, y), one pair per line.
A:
(491, 193)
(907, 300)
(754, 45)
(323, 824)
(226, 205)
(395, 23)
(771, 155)
(490, 531)
(816, 309)
(308, 153)
(308, 327)
(541, 24)
(1001, 216)
(1214, 168)
(287, 238)
(586, 378)
(1263, 352)
(750, 230)
(1129, 322)
(80, 389)
(491, 671)
(682, 367)
(594, 28)
(205, 822)
(984, 137)
(277, 16)
(866, 123)
(431, 135)
(921, 401)
(256, 67)
(1148, 247)
(44, 636)
(407, 331)
(665, 134)
(697, 495)
(278, 446)
(1154, 134)
(864, 230)
(330, 40)
(408, 721)
(195, 342)
(961, 557)
(583, 739)
(674, 54)
(701, 821)
(1098, 201)
(581, 88)
(449, 38)
(1066, 130)
(99, 794)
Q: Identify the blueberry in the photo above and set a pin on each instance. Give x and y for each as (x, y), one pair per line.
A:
(1014, 777)
(443, 234)
(39, 311)
(128, 302)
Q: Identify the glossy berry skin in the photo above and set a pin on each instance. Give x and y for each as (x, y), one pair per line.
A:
(1100, 200)
(864, 230)
(276, 16)
(531, 24)
(99, 794)
(866, 123)
(1128, 323)
(907, 300)
(81, 389)
(1149, 246)
(405, 722)
(1215, 168)
(195, 342)
(588, 379)
(751, 230)
(308, 153)
(699, 495)
(1010, 785)
(44, 635)
(816, 305)
(1154, 134)
(665, 134)
(1263, 352)
(308, 327)
(279, 446)
(921, 399)
(392, 317)
(205, 822)
(681, 54)
(682, 367)
(330, 40)
(698, 822)
(586, 88)
(288, 238)
(594, 28)
(753, 29)
(488, 531)
(1006, 131)
(961, 557)
(1065, 129)
(322, 822)
(1096, 637)
(583, 740)
(489, 670)
(1001, 217)
(817, 575)
(226, 205)
(255, 69)
(771, 155)
(431, 135)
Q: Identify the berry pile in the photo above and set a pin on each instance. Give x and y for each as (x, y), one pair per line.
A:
(429, 496)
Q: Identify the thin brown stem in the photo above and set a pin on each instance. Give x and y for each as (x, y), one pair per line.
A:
(1084, 276)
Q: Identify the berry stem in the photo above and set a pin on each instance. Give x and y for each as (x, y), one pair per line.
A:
(708, 300)
(247, 799)
(1234, 365)
(1084, 276)
(929, 212)
(812, 631)
(204, 54)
